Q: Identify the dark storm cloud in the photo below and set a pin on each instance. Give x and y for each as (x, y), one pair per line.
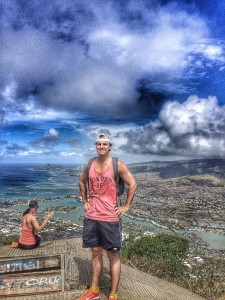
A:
(60, 20)
(93, 56)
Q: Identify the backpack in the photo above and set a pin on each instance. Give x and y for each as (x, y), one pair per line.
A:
(119, 181)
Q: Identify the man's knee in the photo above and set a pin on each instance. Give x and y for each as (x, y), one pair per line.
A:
(113, 255)
(96, 251)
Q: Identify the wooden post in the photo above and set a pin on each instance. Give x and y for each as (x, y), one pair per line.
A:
(63, 272)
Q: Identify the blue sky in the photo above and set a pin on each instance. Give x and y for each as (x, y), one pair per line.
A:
(149, 73)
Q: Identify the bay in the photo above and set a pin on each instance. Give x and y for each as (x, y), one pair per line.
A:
(216, 241)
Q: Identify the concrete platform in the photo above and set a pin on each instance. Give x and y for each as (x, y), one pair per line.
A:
(134, 285)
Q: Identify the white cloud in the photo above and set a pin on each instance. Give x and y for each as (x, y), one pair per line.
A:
(30, 153)
(194, 128)
(211, 51)
(195, 115)
(52, 133)
(70, 154)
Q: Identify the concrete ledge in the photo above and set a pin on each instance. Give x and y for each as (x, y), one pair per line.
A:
(134, 285)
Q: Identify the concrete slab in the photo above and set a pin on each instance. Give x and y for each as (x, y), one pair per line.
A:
(134, 284)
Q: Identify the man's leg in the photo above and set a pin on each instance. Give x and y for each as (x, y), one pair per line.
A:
(96, 264)
(115, 270)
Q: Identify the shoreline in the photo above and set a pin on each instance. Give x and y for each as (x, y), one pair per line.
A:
(4, 203)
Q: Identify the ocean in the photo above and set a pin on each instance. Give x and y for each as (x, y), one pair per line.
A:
(26, 182)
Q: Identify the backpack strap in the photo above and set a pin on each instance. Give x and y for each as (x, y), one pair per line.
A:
(115, 168)
(89, 165)
(119, 182)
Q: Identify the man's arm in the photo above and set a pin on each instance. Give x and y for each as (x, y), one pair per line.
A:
(128, 178)
(83, 187)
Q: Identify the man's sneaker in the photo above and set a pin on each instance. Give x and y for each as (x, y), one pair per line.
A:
(90, 295)
(112, 298)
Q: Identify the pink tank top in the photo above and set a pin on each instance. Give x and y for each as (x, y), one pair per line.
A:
(102, 195)
(27, 236)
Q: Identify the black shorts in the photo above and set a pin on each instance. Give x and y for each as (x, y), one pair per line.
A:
(38, 240)
(107, 235)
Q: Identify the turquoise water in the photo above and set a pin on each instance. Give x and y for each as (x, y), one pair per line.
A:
(73, 215)
(215, 240)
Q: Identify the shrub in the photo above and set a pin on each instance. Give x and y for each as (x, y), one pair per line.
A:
(160, 255)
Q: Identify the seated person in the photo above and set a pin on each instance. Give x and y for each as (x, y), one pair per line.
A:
(28, 238)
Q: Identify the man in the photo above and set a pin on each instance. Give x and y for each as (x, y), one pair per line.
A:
(102, 223)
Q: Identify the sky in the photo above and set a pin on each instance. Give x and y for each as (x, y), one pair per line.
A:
(150, 73)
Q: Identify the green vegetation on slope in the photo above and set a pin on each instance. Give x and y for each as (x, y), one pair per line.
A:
(163, 256)
(160, 255)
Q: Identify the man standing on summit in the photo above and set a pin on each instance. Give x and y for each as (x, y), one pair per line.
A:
(102, 223)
